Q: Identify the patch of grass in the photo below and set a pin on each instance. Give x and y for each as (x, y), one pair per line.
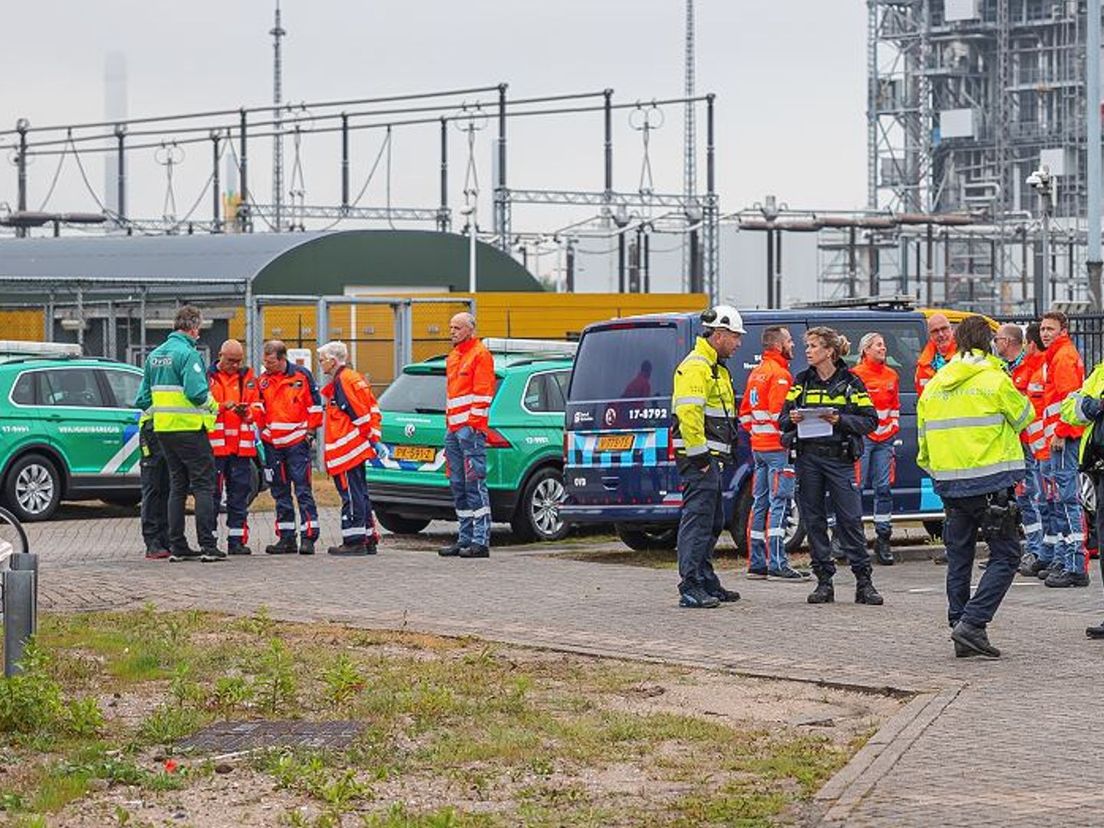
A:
(398, 816)
(167, 725)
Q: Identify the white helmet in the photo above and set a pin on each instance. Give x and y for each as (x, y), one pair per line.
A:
(723, 316)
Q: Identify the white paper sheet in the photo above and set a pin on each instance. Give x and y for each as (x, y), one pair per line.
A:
(812, 425)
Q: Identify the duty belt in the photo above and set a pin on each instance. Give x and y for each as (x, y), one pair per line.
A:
(821, 449)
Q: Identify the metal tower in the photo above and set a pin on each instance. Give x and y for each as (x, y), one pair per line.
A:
(277, 32)
(689, 137)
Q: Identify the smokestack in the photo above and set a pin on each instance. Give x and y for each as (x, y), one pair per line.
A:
(115, 109)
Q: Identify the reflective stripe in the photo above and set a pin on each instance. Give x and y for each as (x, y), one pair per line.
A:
(286, 426)
(485, 398)
(1032, 528)
(978, 471)
(179, 388)
(178, 409)
(478, 412)
(456, 402)
(1050, 539)
(710, 411)
(965, 422)
(745, 419)
(694, 451)
(689, 401)
(724, 448)
(678, 442)
(288, 438)
(353, 531)
(761, 415)
(481, 511)
(341, 441)
(367, 418)
(349, 455)
(217, 443)
(315, 409)
(765, 428)
(757, 535)
(235, 533)
(1052, 409)
(455, 419)
(883, 518)
(777, 532)
(288, 525)
(1075, 537)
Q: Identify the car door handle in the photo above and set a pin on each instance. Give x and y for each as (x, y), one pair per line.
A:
(53, 416)
(610, 482)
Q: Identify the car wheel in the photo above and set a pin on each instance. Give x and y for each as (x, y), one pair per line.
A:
(537, 516)
(33, 488)
(647, 538)
(401, 525)
(741, 516)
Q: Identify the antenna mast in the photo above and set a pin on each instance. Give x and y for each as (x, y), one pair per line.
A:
(689, 161)
(277, 32)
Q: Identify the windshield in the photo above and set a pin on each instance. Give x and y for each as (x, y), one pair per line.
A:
(626, 363)
(415, 394)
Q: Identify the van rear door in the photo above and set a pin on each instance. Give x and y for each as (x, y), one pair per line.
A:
(619, 463)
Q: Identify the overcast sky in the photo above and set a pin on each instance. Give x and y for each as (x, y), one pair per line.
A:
(788, 74)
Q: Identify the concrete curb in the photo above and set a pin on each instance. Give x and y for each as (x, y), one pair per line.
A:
(847, 788)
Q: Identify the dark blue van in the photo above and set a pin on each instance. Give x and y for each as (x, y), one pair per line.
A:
(619, 460)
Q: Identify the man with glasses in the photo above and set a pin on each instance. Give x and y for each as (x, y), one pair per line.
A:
(937, 352)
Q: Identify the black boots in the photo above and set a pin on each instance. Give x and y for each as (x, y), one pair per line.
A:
(824, 593)
(286, 545)
(968, 637)
(883, 552)
(865, 592)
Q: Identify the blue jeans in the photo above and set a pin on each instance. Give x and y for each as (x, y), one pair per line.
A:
(466, 454)
(701, 521)
(772, 491)
(291, 466)
(1065, 497)
(965, 516)
(1027, 498)
(877, 473)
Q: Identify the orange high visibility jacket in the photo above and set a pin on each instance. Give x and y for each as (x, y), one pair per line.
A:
(884, 387)
(1027, 376)
(1063, 373)
(470, 373)
(765, 394)
(290, 407)
(931, 361)
(352, 421)
(233, 434)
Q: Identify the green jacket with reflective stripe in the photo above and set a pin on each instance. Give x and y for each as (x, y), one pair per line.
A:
(174, 387)
(968, 420)
(704, 405)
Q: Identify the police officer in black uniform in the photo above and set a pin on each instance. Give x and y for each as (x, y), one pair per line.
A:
(827, 466)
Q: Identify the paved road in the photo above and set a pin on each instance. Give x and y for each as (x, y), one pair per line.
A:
(1006, 743)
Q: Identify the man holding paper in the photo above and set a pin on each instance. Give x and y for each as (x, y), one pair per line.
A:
(827, 413)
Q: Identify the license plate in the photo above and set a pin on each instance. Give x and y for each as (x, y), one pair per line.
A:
(615, 442)
(419, 454)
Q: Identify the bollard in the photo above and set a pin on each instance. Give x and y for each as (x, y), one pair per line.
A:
(26, 562)
(20, 614)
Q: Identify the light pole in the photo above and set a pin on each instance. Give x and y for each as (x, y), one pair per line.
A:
(771, 210)
(1043, 182)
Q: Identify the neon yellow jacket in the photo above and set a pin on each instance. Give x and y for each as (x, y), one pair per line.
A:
(704, 405)
(1083, 407)
(174, 387)
(968, 420)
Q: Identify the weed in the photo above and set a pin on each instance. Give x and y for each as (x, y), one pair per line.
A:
(276, 680)
(259, 623)
(342, 680)
(30, 701)
(167, 725)
(11, 801)
(230, 693)
(83, 717)
(182, 688)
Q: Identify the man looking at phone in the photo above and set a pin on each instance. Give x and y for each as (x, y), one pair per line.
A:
(233, 440)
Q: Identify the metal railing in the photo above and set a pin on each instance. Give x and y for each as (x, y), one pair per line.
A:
(1085, 329)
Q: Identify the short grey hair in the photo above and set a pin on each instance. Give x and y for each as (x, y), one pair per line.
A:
(1013, 332)
(334, 350)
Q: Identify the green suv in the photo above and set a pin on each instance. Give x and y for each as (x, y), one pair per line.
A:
(524, 444)
(69, 432)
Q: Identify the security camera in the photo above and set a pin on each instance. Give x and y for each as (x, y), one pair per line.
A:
(1034, 179)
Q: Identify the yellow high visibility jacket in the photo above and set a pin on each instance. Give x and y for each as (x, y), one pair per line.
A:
(174, 387)
(1082, 407)
(968, 420)
(704, 405)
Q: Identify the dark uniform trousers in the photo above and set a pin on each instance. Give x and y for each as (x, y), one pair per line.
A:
(155, 489)
(235, 475)
(191, 469)
(965, 516)
(292, 466)
(701, 522)
(356, 505)
(819, 475)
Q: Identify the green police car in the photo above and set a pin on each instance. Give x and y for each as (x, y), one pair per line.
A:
(68, 429)
(524, 443)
